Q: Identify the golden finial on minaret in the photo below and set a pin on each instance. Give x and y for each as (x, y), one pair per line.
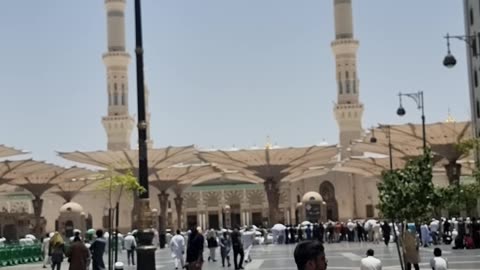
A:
(268, 145)
(450, 118)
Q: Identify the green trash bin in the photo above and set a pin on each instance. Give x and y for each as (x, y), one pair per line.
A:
(15, 255)
(3, 257)
(22, 250)
(37, 253)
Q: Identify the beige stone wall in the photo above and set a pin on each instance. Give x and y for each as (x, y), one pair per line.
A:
(352, 194)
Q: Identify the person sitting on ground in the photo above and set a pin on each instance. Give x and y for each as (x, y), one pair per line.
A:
(370, 262)
(437, 262)
(310, 255)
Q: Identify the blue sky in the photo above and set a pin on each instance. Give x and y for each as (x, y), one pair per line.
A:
(221, 73)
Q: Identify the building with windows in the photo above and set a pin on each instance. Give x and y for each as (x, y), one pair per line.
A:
(472, 32)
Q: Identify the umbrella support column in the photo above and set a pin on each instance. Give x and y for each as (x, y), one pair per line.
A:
(163, 200)
(178, 205)
(273, 196)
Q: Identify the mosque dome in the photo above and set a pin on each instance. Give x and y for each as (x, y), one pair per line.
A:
(312, 196)
(71, 207)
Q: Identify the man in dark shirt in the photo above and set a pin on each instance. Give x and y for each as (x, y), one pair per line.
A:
(292, 234)
(386, 230)
(286, 234)
(321, 232)
(195, 249)
(237, 246)
(98, 249)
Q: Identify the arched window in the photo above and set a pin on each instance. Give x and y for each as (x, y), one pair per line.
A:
(354, 83)
(478, 109)
(475, 78)
(474, 47)
(124, 102)
(123, 87)
(115, 86)
(115, 98)
(298, 198)
(347, 83)
(340, 88)
(471, 16)
(109, 99)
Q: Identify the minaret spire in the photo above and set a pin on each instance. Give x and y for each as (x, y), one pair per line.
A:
(147, 110)
(348, 109)
(118, 123)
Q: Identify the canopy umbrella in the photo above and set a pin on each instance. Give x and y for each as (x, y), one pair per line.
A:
(305, 223)
(271, 165)
(30, 236)
(7, 151)
(278, 227)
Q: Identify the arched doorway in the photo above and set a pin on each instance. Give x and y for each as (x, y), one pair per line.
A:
(327, 190)
(10, 232)
(69, 228)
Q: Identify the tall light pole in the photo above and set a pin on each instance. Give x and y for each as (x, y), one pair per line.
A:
(418, 98)
(145, 250)
(373, 139)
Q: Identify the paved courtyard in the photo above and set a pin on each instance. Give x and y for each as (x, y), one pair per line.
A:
(342, 256)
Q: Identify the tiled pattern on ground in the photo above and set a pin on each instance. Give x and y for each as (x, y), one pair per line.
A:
(343, 256)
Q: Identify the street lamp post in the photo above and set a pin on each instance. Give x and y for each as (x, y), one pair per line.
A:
(418, 98)
(373, 139)
(449, 61)
(145, 250)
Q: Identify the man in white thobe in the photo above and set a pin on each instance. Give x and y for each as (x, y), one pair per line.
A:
(370, 262)
(45, 248)
(248, 237)
(376, 232)
(351, 227)
(177, 245)
(434, 226)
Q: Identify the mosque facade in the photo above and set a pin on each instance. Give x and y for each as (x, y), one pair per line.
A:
(345, 195)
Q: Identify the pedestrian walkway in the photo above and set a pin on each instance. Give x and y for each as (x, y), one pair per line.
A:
(342, 256)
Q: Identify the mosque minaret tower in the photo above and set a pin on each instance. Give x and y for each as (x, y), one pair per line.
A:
(118, 123)
(348, 109)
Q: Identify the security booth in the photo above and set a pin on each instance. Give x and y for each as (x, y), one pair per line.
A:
(313, 208)
(71, 217)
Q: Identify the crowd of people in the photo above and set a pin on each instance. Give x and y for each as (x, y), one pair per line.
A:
(236, 240)
(234, 246)
(459, 232)
(79, 254)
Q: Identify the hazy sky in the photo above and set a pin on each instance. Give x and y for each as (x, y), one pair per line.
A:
(221, 72)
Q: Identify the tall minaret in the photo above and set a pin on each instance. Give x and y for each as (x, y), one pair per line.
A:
(348, 109)
(118, 123)
(147, 96)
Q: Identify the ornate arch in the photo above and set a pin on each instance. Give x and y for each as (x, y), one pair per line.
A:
(284, 196)
(211, 199)
(191, 200)
(256, 197)
(233, 197)
(327, 190)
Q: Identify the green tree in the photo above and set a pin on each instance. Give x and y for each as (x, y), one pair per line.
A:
(115, 185)
(459, 198)
(408, 193)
